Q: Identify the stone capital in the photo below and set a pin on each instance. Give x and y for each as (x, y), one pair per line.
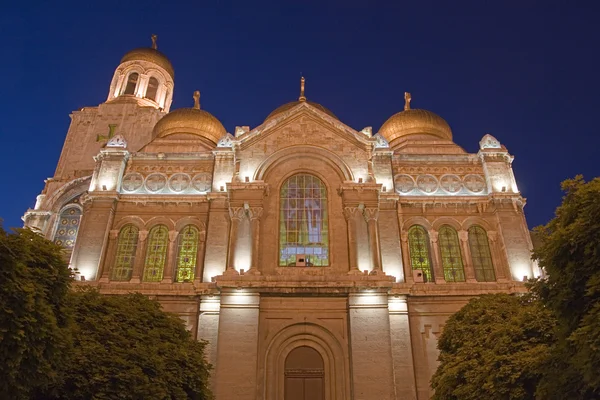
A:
(173, 236)
(114, 233)
(463, 235)
(236, 213)
(404, 237)
(142, 235)
(492, 235)
(433, 236)
(371, 214)
(349, 212)
(255, 213)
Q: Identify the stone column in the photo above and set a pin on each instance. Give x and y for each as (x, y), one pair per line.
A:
(438, 269)
(402, 349)
(255, 213)
(208, 329)
(371, 215)
(110, 255)
(200, 257)
(500, 266)
(235, 214)
(467, 259)
(171, 262)
(138, 262)
(371, 347)
(237, 354)
(350, 215)
(408, 276)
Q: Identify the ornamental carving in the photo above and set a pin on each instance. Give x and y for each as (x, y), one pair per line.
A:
(404, 183)
(179, 182)
(474, 183)
(427, 184)
(155, 182)
(451, 183)
(132, 182)
(202, 182)
(489, 142)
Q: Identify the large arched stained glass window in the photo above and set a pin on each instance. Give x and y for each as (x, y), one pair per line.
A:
(156, 254)
(125, 257)
(418, 245)
(131, 83)
(67, 227)
(481, 255)
(186, 254)
(152, 88)
(451, 258)
(303, 234)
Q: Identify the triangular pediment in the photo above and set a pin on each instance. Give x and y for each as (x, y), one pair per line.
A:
(302, 114)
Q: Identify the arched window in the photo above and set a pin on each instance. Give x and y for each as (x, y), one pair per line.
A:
(303, 234)
(152, 88)
(451, 258)
(481, 255)
(132, 80)
(186, 254)
(418, 245)
(125, 257)
(156, 254)
(67, 227)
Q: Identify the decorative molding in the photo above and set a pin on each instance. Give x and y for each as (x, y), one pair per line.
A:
(371, 214)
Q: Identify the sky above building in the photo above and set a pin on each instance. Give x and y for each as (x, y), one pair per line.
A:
(525, 73)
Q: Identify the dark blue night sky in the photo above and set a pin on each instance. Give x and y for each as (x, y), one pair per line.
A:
(526, 74)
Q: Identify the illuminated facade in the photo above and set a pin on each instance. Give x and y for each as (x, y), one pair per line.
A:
(319, 261)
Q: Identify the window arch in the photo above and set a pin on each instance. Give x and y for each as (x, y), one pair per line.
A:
(418, 244)
(186, 254)
(127, 243)
(156, 254)
(303, 225)
(152, 88)
(67, 227)
(452, 262)
(481, 254)
(131, 84)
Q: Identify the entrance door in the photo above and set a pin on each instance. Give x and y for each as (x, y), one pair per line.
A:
(304, 375)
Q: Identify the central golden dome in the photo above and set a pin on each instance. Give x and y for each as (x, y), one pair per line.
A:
(301, 99)
(150, 55)
(191, 121)
(415, 123)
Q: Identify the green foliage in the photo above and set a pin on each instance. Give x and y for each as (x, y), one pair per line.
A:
(126, 347)
(570, 254)
(34, 284)
(492, 348)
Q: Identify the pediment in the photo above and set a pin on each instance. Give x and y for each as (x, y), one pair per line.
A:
(305, 114)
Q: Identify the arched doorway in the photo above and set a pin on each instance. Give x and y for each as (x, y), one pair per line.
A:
(304, 375)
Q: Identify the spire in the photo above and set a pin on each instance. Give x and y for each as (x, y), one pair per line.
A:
(154, 37)
(302, 98)
(407, 100)
(197, 99)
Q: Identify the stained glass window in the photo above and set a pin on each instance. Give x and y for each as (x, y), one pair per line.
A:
(126, 247)
(156, 254)
(451, 258)
(481, 255)
(67, 227)
(418, 243)
(131, 83)
(303, 234)
(186, 254)
(152, 88)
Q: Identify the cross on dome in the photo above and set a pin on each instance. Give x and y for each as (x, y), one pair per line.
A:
(154, 38)
(302, 97)
(197, 99)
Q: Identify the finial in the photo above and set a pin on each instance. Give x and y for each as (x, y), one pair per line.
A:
(302, 98)
(197, 99)
(154, 37)
(407, 100)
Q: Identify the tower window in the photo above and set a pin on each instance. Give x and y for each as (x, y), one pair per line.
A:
(303, 233)
(481, 255)
(186, 255)
(452, 262)
(125, 257)
(156, 254)
(68, 227)
(152, 89)
(132, 80)
(418, 244)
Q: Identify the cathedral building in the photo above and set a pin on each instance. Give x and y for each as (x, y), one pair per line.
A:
(318, 261)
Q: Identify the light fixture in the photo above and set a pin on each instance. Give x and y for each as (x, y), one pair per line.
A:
(247, 179)
(222, 188)
(503, 188)
(384, 189)
(359, 180)
(104, 187)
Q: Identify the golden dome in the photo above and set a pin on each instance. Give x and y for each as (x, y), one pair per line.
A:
(150, 55)
(414, 122)
(288, 106)
(193, 121)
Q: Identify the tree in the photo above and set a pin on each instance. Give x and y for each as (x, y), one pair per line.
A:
(570, 255)
(492, 349)
(34, 284)
(126, 347)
